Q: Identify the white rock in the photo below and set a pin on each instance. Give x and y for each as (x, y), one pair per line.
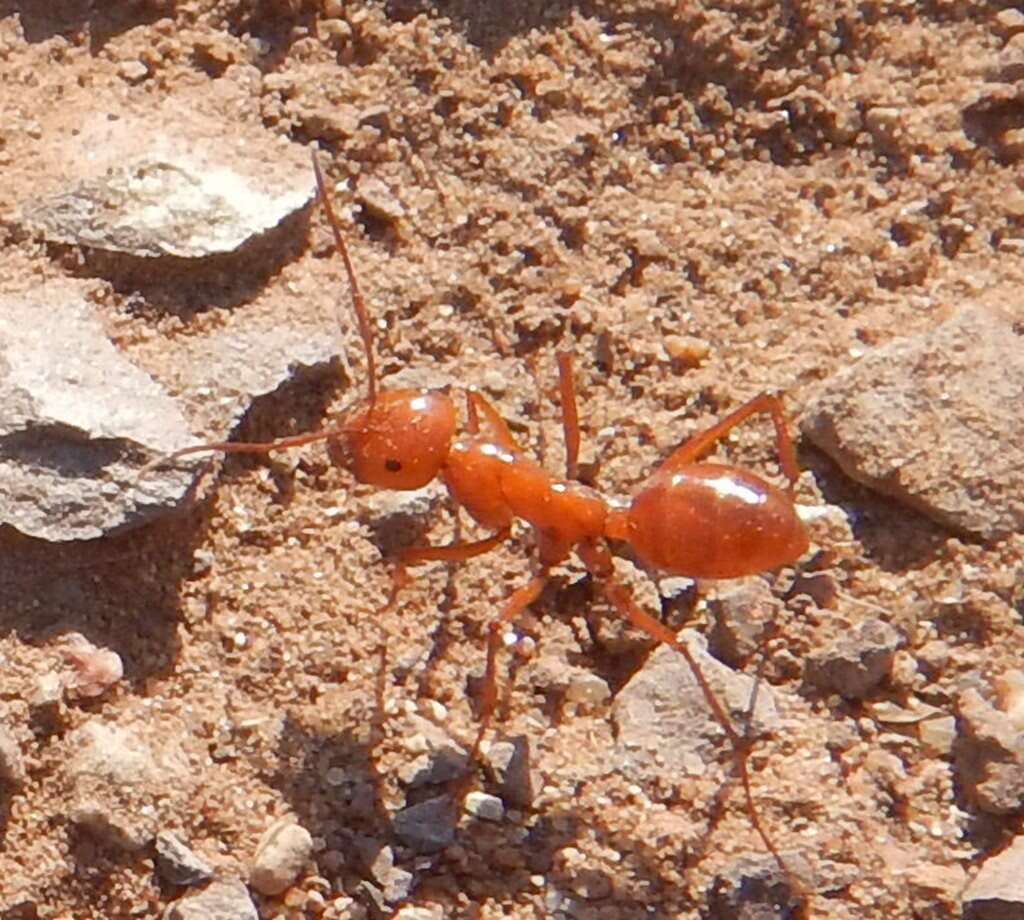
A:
(281, 855)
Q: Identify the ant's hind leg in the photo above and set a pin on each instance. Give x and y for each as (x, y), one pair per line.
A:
(691, 451)
(598, 561)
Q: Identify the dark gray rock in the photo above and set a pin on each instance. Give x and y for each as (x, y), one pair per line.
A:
(857, 662)
(428, 826)
(177, 864)
(508, 763)
(754, 888)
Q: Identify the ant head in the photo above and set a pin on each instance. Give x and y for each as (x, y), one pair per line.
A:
(400, 440)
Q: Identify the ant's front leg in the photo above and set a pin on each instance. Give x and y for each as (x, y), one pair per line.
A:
(452, 552)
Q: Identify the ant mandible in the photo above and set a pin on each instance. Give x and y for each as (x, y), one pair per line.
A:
(693, 519)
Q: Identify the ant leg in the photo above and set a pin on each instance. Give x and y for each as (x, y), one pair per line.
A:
(515, 605)
(570, 415)
(598, 561)
(453, 552)
(700, 444)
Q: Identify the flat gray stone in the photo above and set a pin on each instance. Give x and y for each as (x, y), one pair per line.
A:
(79, 421)
(428, 826)
(664, 725)
(177, 863)
(168, 201)
(934, 422)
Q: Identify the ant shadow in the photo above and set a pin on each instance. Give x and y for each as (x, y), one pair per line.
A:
(490, 861)
(120, 592)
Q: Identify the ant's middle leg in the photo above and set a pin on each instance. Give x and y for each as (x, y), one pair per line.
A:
(521, 599)
(691, 451)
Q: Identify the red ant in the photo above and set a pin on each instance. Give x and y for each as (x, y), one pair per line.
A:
(700, 520)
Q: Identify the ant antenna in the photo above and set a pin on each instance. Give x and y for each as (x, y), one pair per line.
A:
(358, 304)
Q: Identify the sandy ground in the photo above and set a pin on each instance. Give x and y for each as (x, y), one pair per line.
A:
(785, 186)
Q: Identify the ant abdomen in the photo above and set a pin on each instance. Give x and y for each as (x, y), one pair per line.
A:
(400, 440)
(707, 520)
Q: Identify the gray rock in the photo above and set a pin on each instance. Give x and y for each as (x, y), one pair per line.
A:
(508, 763)
(997, 891)
(114, 779)
(664, 724)
(428, 826)
(444, 759)
(918, 419)
(170, 203)
(857, 662)
(754, 888)
(398, 519)
(484, 806)
(220, 900)
(990, 755)
(177, 864)
(741, 611)
(587, 688)
(281, 855)
(395, 884)
(79, 420)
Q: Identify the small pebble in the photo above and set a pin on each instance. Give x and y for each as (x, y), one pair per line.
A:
(281, 855)
(685, 351)
(588, 688)
(133, 71)
(12, 763)
(484, 806)
(177, 864)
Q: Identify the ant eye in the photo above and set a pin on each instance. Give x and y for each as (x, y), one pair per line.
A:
(392, 465)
